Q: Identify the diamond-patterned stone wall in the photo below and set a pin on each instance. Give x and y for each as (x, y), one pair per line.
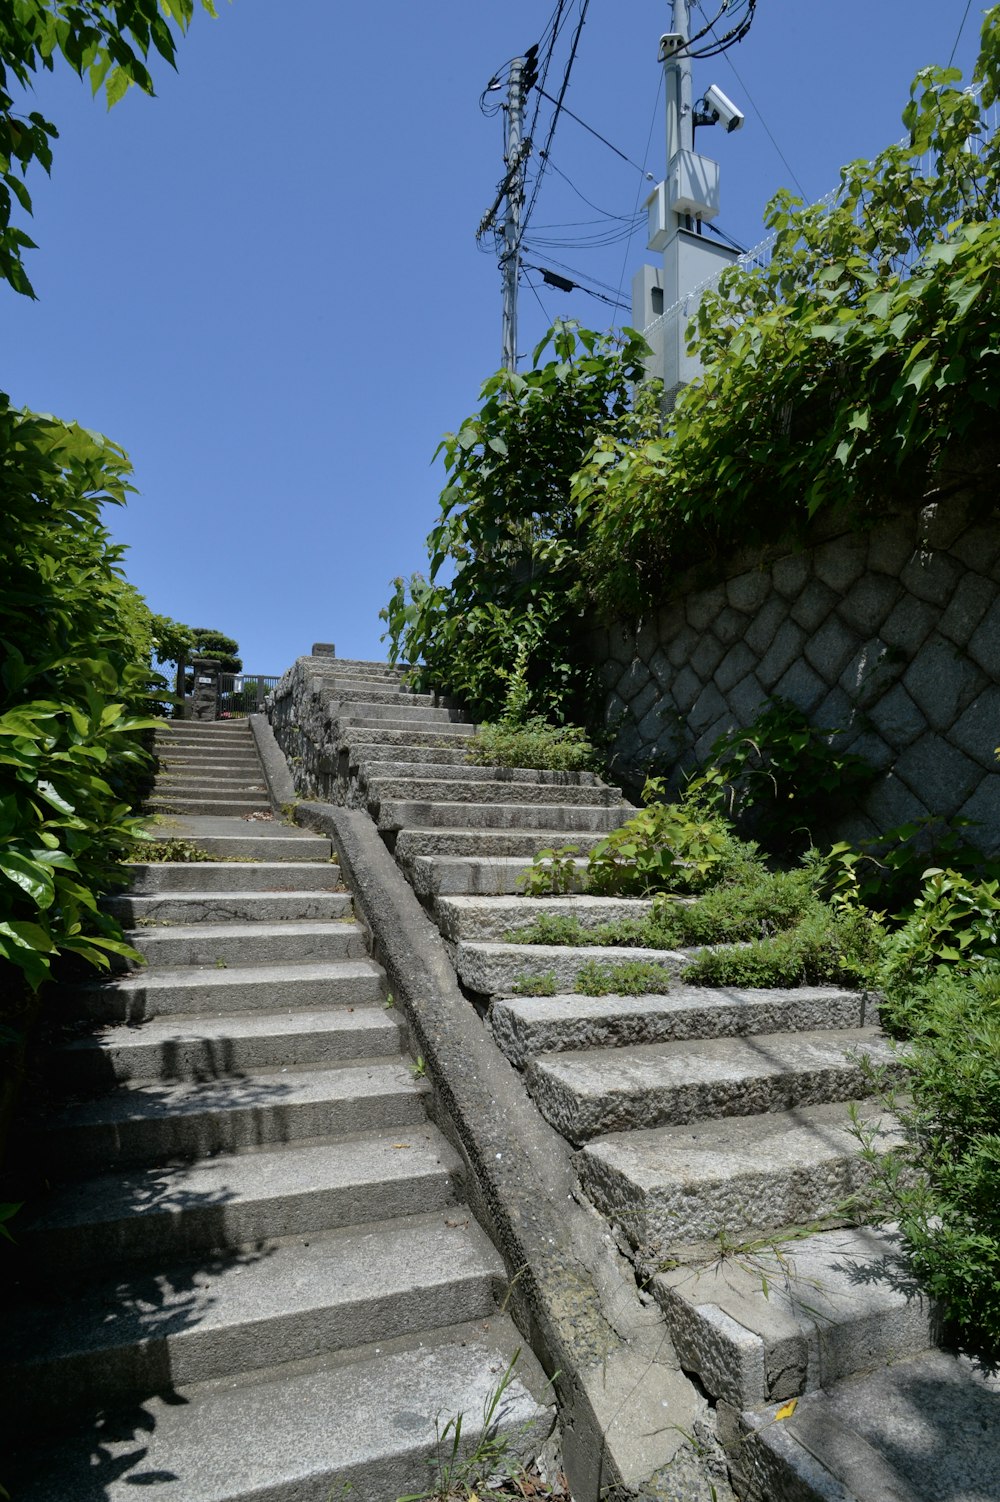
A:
(892, 635)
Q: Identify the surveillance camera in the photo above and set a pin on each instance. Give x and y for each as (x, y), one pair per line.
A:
(722, 110)
(671, 43)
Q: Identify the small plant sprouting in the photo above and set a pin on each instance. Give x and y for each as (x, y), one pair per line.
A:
(390, 1001)
(535, 985)
(419, 1067)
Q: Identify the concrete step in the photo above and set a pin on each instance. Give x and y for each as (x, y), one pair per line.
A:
(347, 690)
(178, 759)
(439, 876)
(923, 1429)
(472, 791)
(771, 1322)
(235, 907)
(217, 736)
(276, 842)
(383, 739)
(228, 1202)
(196, 990)
(222, 807)
(495, 969)
(363, 1427)
(462, 771)
(446, 761)
(486, 843)
(414, 723)
(566, 818)
(160, 1123)
(232, 878)
(738, 1177)
(493, 917)
(313, 942)
(207, 1048)
(357, 667)
(293, 1301)
(528, 1025)
(585, 1095)
(173, 782)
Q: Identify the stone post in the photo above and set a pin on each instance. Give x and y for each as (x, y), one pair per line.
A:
(205, 698)
(324, 649)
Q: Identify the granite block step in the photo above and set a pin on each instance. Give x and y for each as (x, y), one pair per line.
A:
(470, 791)
(347, 690)
(160, 878)
(565, 818)
(492, 918)
(771, 1322)
(413, 726)
(263, 988)
(585, 1095)
(396, 714)
(360, 1427)
(556, 1024)
(446, 761)
(207, 1048)
(496, 969)
(439, 876)
(293, 1301)
(486, 843)
(227, 1202)
(733, 1178)
(356, 667)
(449, 765)
(301, 942)
(379, 738)
(921, 1430)
(160, 1123)
(229, 906)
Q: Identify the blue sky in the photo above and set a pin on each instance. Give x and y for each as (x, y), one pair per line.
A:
(264, 283)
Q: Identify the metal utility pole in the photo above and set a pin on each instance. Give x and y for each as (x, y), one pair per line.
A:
(677, 74)
(511, 260)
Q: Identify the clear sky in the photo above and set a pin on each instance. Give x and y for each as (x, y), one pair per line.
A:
(265, 284)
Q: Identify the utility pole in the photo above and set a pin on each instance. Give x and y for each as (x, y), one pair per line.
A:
(511, 260)
(677, 76)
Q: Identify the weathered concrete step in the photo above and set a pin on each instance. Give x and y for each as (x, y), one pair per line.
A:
(555, 1024)
(396, 712)
(469, 791)
(232, 945)
(486, 843)
(446, 761)
(281, 845)
(585, 1095)
(155, 1124)
(561, 817)
(170, 784)
(495, 969)
(776, 1321)
(382, 738)
(223, 739)
(196, 990)
(177, 760)
(921, 1430)
(290, 1302)
(232, 878)
(207, 1048)
(347, 690)
(220, 807)
(462, 771)
(228, 1202)
(234, 907)
(493, 917)
(365, 1427)
(357, 665)
(439, 876)
(416, 724)
(732, 1178)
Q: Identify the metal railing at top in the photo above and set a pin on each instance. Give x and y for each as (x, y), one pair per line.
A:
(242, 694)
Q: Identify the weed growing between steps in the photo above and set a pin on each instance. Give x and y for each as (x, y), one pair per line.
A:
(157, 852)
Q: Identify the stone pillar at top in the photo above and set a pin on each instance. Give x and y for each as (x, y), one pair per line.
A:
(205, 698)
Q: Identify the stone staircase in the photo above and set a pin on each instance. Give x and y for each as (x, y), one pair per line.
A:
(712, 1125)
(208, 767)
(255, 1274)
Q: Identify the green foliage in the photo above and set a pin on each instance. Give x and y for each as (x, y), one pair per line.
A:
(944, 1186)
(504, 555)
(622, 978)
(955, 922)
(825, 946)
(664, 847)
(841, 375)
(552, 872)
(74, 680)
(171, 641)
(536, 743)
(886, 873)
(151, 852)
(781, 777)
(109, 41)
(535, 985)
(209, 643)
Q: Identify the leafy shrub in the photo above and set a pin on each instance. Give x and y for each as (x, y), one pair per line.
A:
(824, 947)
(535, 743)
(552, 872)
(944, 1187)
(157, 852)
(664, 846)
(626, 978)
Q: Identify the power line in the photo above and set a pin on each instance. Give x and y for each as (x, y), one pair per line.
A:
(534, 290)
(565, 285)
(623, 218)
(960, 30)
(567, 111)
(645, 157)
(544, 155)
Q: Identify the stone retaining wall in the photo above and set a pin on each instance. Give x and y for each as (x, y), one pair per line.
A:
(892, 635)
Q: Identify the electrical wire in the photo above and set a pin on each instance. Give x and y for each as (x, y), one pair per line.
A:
(605, 213)
(549, 320)
(960, 30)
(767, 129)
(645, 156)
(544, 154)
(614, 302)
(567, 111)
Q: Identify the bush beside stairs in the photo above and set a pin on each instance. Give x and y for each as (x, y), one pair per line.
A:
(254, 1274)
(707, 1122)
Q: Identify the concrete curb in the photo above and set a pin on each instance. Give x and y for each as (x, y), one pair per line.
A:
(625, 1405)
(278, 778)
